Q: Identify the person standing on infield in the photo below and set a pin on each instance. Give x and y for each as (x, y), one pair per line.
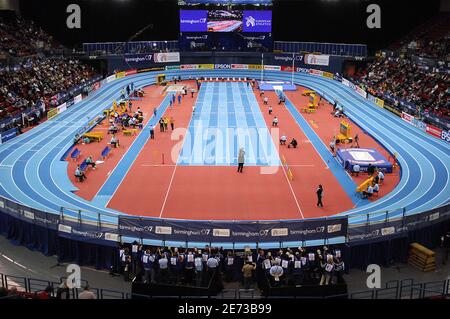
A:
(241, 159)
(319, 193)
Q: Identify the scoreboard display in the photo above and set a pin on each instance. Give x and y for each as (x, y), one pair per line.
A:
(217, 20)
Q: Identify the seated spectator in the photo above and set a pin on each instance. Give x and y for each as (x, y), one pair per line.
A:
(80, 174)
(293, 143)
(376, 188)
(367, 193)
(87, 293)
(114, 141)
(113, 129)
(283, 140)
(380, 176)
(275, 121)
(90, 161)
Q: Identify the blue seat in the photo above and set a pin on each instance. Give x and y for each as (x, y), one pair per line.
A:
(83, 166)
(105, 152)
(75, 154)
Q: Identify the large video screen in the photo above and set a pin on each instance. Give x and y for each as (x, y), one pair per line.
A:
(226, 21)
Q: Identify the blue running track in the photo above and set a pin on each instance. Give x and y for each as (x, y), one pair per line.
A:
(32, 173)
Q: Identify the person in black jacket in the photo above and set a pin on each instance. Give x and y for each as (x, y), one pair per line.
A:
(63, 291)
(319, 193)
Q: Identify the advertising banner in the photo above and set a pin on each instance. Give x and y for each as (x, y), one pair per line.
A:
(138, 58)
(257, 21)
(206, 66)
(166, 57)
(315, 72)
(287, 58)
(286, 68)
(160, 68)
(130, 72)
(345, 82)
(110, 78)
(239, 66)
(407, 117)
(79, 97)
(302, 70)
(193, 20)
(232, 232)
(419, 124)
(391, 109)
(361, 92)
(61, 108)
(433, 130)
(255, 67)
(445, 135)
(189, 66)
(172, 67)
(222, 66)
(52, 113)
(120, 75)
(375, 100)
(274, 68)
(88, 233)
(328, 75)
(9, 134)
(317, 59)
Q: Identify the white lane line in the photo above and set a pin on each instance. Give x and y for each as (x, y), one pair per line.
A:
(292, 191)
(168, 190)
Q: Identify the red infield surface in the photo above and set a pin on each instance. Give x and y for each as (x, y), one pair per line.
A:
(152, 188)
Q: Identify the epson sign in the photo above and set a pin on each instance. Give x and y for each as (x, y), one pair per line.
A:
(222, 66)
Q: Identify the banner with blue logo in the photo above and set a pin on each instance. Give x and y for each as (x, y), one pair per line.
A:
(7, 135)
(245, 231)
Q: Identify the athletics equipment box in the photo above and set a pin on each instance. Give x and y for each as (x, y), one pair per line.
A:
(363, 156)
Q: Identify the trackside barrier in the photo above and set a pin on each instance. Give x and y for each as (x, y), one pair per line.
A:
(405, 289)
(111, 228)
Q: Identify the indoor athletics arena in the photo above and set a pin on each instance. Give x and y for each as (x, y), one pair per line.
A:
(224, 152)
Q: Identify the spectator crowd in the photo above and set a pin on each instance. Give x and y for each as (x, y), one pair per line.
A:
(405, 76)
(20, 37)
(215, 266)
(39, 79)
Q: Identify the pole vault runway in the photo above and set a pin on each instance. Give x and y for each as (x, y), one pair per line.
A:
(32, 172)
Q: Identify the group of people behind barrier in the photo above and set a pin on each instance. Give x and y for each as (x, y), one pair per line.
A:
(216, 266)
